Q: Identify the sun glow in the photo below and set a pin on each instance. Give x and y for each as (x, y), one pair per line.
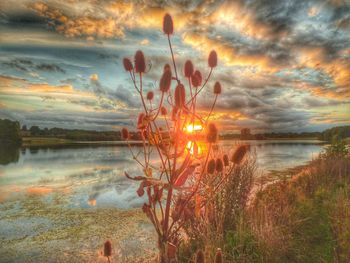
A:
(193, 128)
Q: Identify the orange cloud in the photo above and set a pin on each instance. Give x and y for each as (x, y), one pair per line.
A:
(94, 77)
(39, 190)
(105, 27)
(229, 54)
(110, 20)
(313, 11)
(46, 88)
(338, 69)
(233, 15)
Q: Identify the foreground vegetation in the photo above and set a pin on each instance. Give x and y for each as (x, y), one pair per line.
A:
(302, 219)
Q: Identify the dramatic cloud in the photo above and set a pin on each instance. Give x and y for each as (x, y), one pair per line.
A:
(283, 64)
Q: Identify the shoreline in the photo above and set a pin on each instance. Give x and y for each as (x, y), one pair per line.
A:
(56, 142)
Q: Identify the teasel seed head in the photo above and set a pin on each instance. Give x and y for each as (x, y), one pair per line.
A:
(239, 154)
(196, 79)
(217, 88)
(180, 96)
(199, 257)
(168, 25)
(165, 81)
(188, 69)
(163, 111)
(219, 165)
(150, 95)
(140, 64)
(212, 133)
(166, 67)
(226, 160)
(107, 250)
(218, 256)
(212, 59)
(127, 64)
(211, 166)
(140, 121)
(125, 133)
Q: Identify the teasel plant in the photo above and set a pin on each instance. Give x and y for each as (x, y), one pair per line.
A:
(192, 167)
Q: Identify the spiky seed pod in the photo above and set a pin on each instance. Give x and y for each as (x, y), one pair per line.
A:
(188, 69)
(226, 160)
(125, 133)
(219, 165)
(212, 59)
(239, 154)
(165, 81)
(199, 257)
(180, 96)
(107, 250)
(199, 76)
(163, 111)
(140, 191)
(150, 95)
(141, 121)
(140, 64)
(196, 79)
(211, 166)
(218, 256)
(166, 67)
(168, 25)
(212, 133)
(217, 88)
(127, 64)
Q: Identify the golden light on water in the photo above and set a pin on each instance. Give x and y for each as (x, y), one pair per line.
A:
(192, 145)
(194, 148)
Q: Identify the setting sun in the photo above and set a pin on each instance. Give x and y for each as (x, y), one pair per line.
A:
(194, 127)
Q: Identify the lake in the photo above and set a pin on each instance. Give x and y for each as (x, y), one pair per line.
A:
(45, 190)
(94, 175)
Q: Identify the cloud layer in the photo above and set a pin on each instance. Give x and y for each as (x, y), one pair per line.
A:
(284, 65)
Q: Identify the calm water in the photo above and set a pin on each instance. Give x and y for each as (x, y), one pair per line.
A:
(93, 176)
(65, 198)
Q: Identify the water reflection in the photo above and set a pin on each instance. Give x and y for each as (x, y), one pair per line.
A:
(94, 176)
(8, 153)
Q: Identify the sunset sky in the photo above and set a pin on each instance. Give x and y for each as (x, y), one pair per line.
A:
(284, 65)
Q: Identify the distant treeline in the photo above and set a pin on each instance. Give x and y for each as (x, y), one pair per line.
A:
(272, 135)
(340, 132)
(334, 133)
(76, 134)
(9, 132)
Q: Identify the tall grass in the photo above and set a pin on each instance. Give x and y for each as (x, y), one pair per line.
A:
(221, 224)
(304, 219)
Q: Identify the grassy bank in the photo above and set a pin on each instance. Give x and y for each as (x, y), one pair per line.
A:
(44, 141)
(303, 219)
